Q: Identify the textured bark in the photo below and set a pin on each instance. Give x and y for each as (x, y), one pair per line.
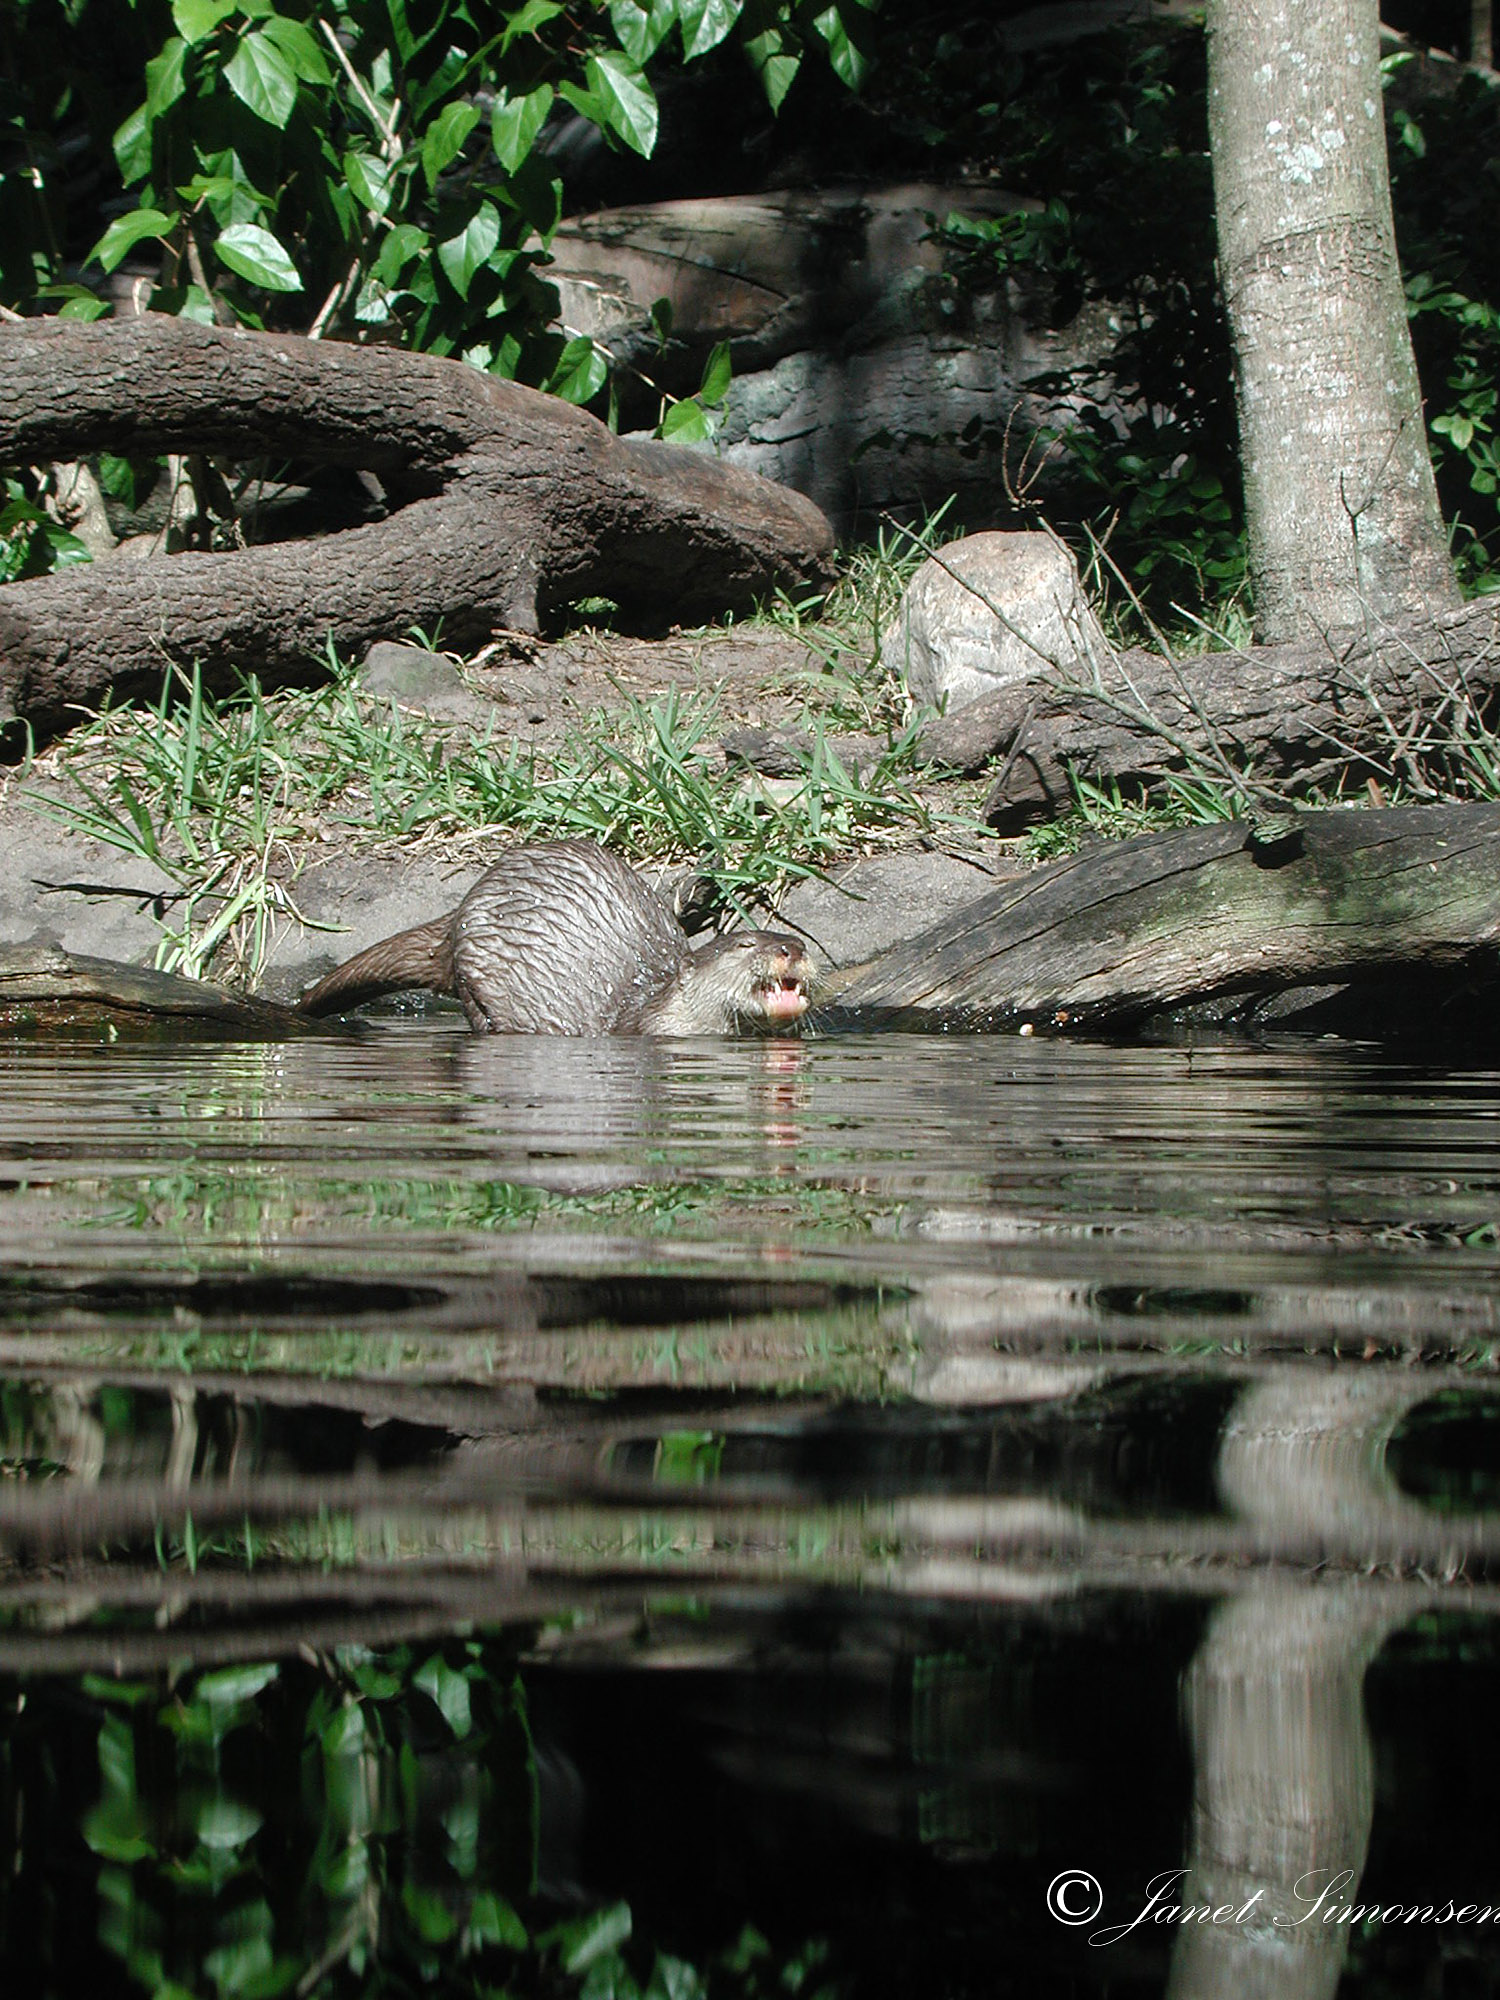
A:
(1382, 703)
(1339, 495)
(515, 505)
(44, 984)
(1111, 937)
(1482, 33)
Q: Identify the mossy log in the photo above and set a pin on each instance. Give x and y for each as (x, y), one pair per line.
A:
(508, 506)
(43, 986)
(1394, 703)
(1116, 935)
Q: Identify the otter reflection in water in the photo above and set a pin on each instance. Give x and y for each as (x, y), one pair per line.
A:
(564, 939)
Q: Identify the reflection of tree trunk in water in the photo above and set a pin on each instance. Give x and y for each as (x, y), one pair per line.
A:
(1304, 1449)
(1284, 1786)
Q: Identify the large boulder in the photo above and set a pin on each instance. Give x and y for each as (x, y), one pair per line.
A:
(865, 375)
(988, 611)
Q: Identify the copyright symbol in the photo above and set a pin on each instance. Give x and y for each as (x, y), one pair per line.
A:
(1074, 1897)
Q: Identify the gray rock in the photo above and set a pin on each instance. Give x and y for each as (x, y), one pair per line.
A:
(873, 904)
(419, 679)
(784, 753)
(62, 887)
(988, 611)
(863, 376)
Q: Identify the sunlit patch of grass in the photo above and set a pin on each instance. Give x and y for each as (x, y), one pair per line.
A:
(228, 795)
(1103, 812)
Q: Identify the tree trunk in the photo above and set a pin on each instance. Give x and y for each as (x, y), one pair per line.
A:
(1339, 495)
(1482, 33)
(510, 506)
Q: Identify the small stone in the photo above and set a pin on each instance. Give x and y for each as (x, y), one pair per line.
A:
(989, 611)
(417, 679)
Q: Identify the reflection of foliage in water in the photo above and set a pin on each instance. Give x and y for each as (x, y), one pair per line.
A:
(855, 1350)
(365, 1824)
(246, 1202)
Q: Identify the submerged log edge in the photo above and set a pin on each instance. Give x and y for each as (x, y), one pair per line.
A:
(1104, 940)
(1113, 936)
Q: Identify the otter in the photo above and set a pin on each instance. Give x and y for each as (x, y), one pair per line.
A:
(562, 938)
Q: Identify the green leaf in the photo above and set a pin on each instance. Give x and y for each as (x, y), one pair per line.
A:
(581, 372)
(405, 241)
(407, 39)
(226, 1824)
(535, 194)
(493, 1921)
(440, 85)
(234, 1966)
(207, 188)
(164, 78)
(717, 374)
(849, 66)
(255, 254)
(674, 1979)
(126, 231)
(685, 422)
(82, 305)
(584, 102)
(444, 138)
(234, 1684)
(588, 1938)
(448, 1689)
(462, 255)
(344, 1734)
(193, 19)
(535, 14)
(196, 304)
(515, 123)
(296, 43)
(116, 1833)
(610, 1978)
(705, 23)
(628, 102)
(434, 1921)
(262, 79)
(775, 62)
(132, 147)
(369, 180)
(225, 188)
(641, 26)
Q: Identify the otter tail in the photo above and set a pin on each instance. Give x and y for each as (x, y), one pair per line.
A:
(422, 957)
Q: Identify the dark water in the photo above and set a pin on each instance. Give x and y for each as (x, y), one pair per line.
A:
(540, 1517)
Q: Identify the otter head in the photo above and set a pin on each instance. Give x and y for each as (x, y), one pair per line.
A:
(746, 982)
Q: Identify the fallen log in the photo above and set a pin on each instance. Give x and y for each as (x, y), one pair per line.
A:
(43, 986)
(1393, 703)
(508, 506)
(1116, 935)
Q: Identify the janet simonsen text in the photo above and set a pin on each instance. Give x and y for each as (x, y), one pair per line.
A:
(1321, 1896)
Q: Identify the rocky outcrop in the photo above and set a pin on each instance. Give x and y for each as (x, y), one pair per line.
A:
(864, 374)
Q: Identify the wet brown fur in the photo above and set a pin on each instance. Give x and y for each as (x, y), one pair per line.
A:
(562, 938)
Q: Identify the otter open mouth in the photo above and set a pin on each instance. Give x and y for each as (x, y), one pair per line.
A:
(783, 998)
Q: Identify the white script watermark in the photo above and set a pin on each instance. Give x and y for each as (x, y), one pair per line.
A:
(1321, 1896)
